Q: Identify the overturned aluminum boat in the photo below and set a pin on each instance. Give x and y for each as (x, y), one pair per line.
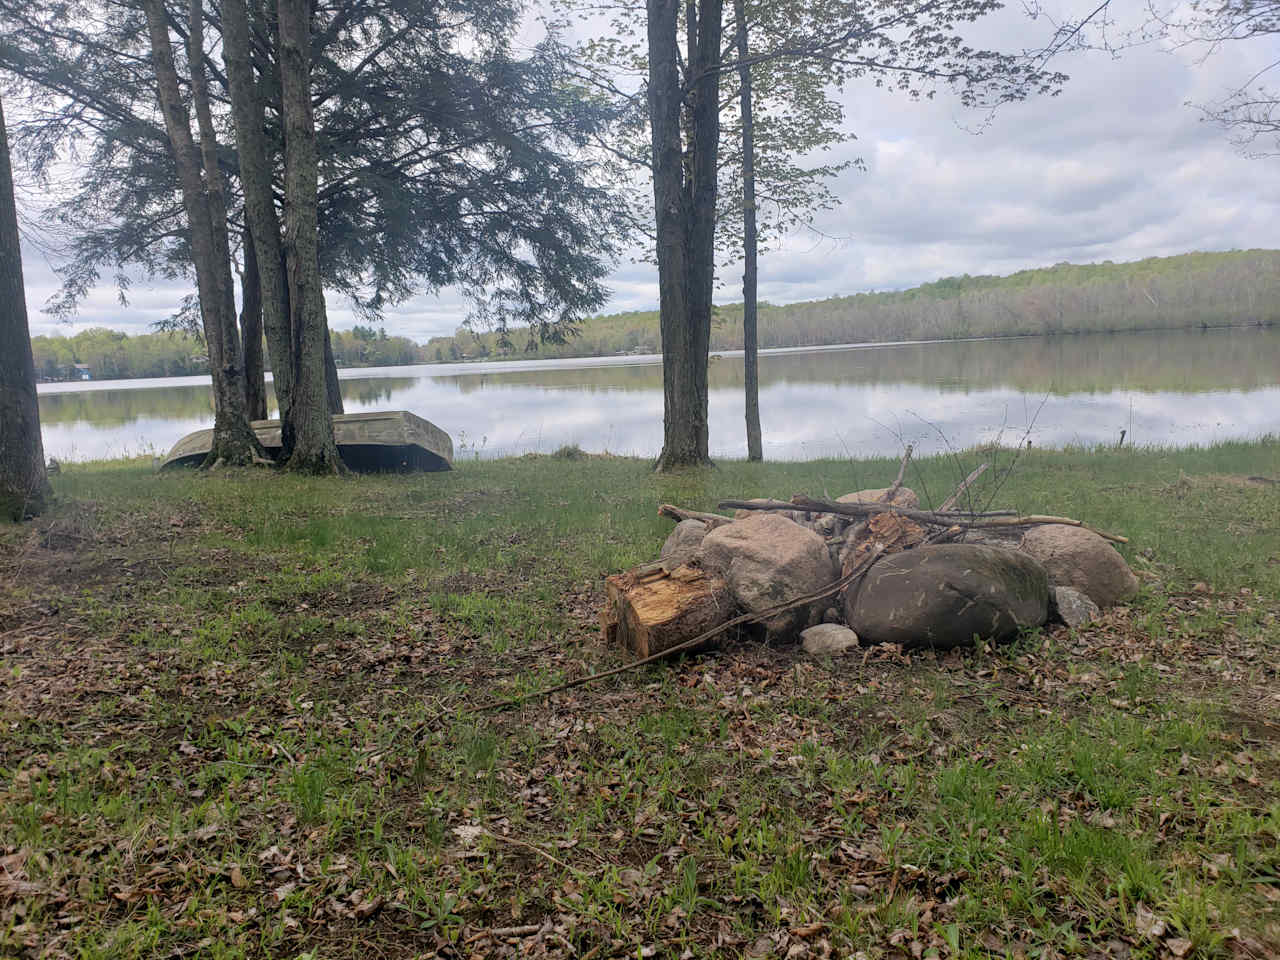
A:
(391, 440)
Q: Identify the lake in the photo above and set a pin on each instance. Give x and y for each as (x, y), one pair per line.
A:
(1167, 388)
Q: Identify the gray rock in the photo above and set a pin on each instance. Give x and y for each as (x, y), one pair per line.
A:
(943, 596)
(1073, 607)
(828, 640)
(684, 541)
(766, 560)
(1075, 557)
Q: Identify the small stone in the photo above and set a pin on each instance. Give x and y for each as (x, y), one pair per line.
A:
(828, 640)
(831, 615)
(1073, 607)
(1200, 587)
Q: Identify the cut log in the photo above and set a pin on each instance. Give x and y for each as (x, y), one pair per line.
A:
(650, 610)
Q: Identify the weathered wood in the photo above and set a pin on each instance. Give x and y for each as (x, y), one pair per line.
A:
(712, 520)
(649, 611)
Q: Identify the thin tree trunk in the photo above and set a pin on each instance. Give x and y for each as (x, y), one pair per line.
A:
(24, 487)
(248, 113)
(255, 381)
(684, 202)
(750, 346)
(332, 386)
(233, 441)
(314, 448)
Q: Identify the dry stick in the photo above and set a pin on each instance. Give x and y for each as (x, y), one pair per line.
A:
(501, 933)
(860, 508)
(888, 495)
(995, 518)
(950, 502)
(828, 591)
(529, 846)
(712, 520)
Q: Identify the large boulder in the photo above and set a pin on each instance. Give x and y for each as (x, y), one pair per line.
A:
(766, 560)
(1076, 557)
(684, 541)
(943, 596)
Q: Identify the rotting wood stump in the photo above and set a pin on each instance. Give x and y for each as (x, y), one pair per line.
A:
(651, 609)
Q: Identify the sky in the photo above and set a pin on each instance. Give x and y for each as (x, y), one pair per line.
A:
(1118, 166)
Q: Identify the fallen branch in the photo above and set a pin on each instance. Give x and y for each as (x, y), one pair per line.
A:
(860, 508)
(712, 520)
(936, 518)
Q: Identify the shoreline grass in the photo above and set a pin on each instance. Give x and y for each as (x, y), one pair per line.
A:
(239, 722)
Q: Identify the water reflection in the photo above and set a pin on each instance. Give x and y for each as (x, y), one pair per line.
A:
(1175, 388)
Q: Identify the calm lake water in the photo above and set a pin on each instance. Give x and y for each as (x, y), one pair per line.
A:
(1173, 388)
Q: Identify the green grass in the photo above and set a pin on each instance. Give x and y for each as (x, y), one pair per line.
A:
(239, 717)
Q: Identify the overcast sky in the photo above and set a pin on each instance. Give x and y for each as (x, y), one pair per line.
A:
(1118, 167)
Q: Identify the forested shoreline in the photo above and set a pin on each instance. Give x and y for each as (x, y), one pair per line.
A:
(1190, 290)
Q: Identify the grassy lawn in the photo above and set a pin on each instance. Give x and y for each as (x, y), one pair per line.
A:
(240, 719)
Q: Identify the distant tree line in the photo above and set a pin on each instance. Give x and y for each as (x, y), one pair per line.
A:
(1159, 293)
(102, 354)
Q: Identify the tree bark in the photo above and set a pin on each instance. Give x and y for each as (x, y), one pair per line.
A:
(332, 387)
(255, 381)
(314, 449)
(24, 487)
(233, 440)
(750, 346)
(248, 113)
(684, 191)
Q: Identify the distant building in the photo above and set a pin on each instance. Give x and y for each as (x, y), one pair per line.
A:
(82, 372)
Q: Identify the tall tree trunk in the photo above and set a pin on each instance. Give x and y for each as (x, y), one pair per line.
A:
(233, 441)
(750, 346)
(332, 387)
(24, 488)
(684, 202)
(248, 113)
(255, 381)
(314, 449)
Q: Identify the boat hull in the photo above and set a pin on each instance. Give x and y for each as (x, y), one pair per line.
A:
(393, 441)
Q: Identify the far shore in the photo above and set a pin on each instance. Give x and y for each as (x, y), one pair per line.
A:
(505, 362)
